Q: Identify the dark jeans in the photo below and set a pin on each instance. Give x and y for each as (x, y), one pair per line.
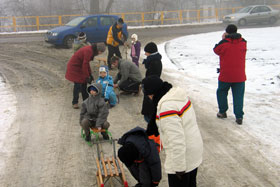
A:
(111, 51)
(238, 90)
(130, 86)
(142, 173)
(187, 180)
(77, 89)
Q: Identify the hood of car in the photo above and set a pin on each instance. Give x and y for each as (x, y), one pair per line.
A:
(61, 29)
(235, 15)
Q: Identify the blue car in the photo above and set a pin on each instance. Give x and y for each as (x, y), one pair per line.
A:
(96, 28)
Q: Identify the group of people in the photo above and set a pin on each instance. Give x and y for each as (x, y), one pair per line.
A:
(168, 111)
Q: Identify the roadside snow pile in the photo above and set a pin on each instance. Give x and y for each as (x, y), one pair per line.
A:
(193, 65)
(7, 115)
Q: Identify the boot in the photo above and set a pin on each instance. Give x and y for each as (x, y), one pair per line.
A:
(88, 138)
(105, 135)
(221, 115)
(75, 106)
(239, 121)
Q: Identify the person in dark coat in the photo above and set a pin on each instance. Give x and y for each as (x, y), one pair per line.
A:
(232, 52)
(141, 157)
(135, 49)
(79, 71)
(153, 66)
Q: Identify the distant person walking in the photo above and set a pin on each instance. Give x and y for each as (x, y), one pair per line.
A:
(135, 49)
(79, 72)
(232, 52)
(115, 38)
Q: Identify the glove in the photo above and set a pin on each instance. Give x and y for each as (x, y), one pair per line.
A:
(218, 70)
(180, 174)
(90, 79)
(106, 100)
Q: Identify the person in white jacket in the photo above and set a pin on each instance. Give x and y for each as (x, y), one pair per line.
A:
(178, 129)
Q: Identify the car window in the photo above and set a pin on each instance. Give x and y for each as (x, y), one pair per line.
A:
(265, 9)
(245, 10)
(91, 22)
(105, 21)
(76, 21)
(255, 10)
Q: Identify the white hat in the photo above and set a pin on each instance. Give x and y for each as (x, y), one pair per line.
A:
(134, 36)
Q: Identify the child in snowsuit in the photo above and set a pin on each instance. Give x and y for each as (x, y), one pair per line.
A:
(141, 157)
(107, 86)
(135, 49)
(94, 112)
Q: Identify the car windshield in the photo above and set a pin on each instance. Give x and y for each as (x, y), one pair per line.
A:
(245, 10)
(75, 21)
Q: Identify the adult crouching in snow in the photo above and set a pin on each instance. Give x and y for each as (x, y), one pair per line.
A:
(129, 76)
(178, 129)
(79, 71)
(141, 157)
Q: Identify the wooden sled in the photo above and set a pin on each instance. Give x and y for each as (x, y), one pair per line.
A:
(109, 169)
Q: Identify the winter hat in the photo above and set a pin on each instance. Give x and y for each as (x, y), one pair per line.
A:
(128, 153)
(151, 85)
(120, 21)
(82, 36)
(103, 69)
(100, 47)
(93, 88)
(134, 36)
(231, 28)
(151, 48)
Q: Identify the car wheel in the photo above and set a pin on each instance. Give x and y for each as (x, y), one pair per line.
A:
(68, 41)
(272, 20)
(242, 22)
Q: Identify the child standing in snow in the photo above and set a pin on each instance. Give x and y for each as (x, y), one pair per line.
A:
(80, 41)
(94, 112)
(135, 49)
(107, 86)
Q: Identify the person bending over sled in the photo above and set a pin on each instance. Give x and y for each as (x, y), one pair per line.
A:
(107, 86)
(141, 157)
(94, 112)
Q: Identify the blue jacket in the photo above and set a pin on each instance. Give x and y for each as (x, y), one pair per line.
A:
(107, 85)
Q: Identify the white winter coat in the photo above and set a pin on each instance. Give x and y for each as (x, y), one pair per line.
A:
(179, 132)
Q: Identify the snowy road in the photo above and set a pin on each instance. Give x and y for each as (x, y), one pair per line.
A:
(46, 148)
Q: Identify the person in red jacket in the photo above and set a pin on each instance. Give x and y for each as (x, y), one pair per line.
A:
(79, 71)
(232, 52)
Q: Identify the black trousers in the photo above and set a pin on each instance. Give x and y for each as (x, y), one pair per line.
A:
(187, 180)
(142, 173)
(130, 86)
(78, 87)
(111, 51)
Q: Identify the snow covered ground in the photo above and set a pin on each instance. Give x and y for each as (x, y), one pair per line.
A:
(190, 62)
(7, 115)
(193, 66)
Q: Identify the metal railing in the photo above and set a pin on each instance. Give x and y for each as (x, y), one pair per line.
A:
(131, 18)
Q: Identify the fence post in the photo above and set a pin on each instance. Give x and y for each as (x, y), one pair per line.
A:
(161, 17)
(143, 18)
(37, 23)
(217, 14)
(181, 16)
(60, 20)
(198, 15)
(14, 24)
